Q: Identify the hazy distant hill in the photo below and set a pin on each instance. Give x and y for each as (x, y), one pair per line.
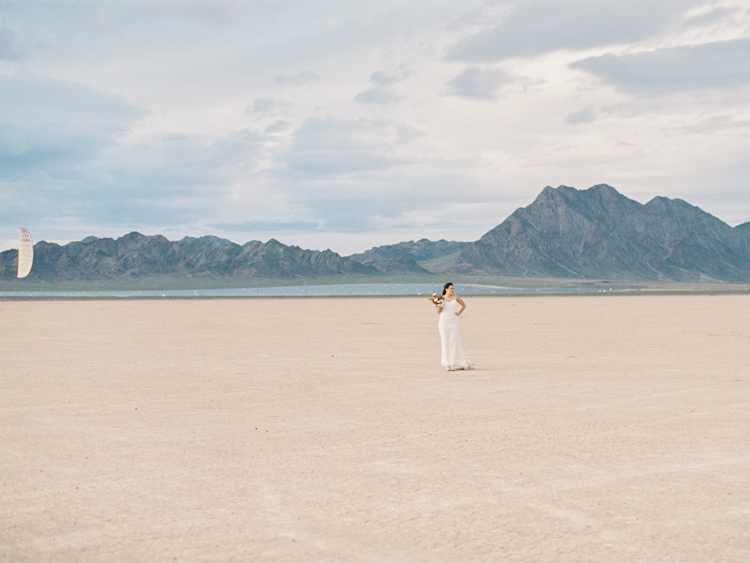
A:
(423, 256)
(599, 233)
(137, 255)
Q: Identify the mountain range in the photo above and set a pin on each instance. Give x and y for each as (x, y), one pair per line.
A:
(599, 233)
(565, 233)
(135, 255)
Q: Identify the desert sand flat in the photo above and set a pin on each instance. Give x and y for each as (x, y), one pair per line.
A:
(594, 429)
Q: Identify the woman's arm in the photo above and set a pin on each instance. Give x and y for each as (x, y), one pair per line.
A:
(463, 305)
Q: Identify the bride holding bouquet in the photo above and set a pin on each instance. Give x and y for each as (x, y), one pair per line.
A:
(449, 307)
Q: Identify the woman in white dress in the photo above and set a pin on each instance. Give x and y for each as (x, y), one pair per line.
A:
(452, 357)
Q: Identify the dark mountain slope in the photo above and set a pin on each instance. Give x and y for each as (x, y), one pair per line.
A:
(408, 257)
(599, 233)
(137, 255)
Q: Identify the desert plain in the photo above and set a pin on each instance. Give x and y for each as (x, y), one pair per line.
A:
(600, 428)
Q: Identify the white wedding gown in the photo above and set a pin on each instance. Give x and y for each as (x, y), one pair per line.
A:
(450, 339)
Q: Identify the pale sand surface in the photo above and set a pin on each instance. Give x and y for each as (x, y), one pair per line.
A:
(595, 429)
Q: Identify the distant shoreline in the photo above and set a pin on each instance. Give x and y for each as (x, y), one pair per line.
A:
(348, 291)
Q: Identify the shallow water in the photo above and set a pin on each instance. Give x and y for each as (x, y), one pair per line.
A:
(342, 290)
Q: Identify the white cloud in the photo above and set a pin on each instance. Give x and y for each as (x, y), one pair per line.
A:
(268, 106)
(384, 79)
(55, 126)
(710, 66)
(381, 92)
(536, 27)
(337, 123)
(298, 79)
(586, 115)
(329, 146)
(377, 96)
(477, 84)
(10, 47)
(279, 126)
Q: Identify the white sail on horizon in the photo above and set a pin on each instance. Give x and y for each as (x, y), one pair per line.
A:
(25, 252)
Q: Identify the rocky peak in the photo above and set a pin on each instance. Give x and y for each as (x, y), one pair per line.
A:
(209, 240)
(598, 232)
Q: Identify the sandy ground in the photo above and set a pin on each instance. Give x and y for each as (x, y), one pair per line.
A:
(595, 429)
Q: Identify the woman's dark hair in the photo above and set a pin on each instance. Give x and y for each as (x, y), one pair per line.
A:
(446, 286)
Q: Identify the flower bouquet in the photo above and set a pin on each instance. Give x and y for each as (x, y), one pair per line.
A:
(437, 301)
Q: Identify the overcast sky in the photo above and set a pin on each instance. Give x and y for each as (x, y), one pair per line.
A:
(347, 125)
